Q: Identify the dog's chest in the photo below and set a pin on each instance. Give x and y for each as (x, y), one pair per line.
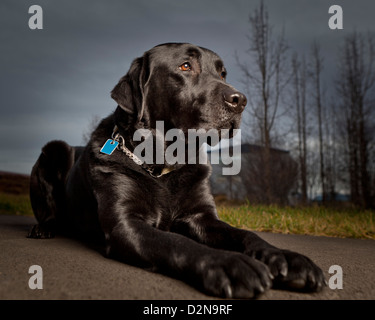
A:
(166, 209)
(176, 198)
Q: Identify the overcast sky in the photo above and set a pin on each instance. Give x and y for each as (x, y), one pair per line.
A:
(53, 81)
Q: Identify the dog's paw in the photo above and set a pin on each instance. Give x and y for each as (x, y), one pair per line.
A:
(291, 270)
(273, 258)
(302, 275)
(234, 275)
(40, 231)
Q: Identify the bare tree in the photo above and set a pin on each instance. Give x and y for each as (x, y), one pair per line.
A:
(355, 86)
(331, 150)
(265, 77)
(316, 71)
(299, 100)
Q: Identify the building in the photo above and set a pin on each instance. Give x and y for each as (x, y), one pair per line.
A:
(250, 183)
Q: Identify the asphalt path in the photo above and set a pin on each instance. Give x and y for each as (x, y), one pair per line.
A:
(72, 270)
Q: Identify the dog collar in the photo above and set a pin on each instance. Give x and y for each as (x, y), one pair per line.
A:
(118, 142)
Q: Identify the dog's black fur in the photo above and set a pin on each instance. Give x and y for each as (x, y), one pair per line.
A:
(168, 224)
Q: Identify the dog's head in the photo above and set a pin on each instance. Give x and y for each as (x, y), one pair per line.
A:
(182, 85)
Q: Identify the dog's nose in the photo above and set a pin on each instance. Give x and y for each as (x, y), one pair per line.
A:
(235, 99)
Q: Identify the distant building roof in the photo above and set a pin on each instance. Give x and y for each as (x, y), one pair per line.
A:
(247, 148)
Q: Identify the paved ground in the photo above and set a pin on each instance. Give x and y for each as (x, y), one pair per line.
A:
(72, 270)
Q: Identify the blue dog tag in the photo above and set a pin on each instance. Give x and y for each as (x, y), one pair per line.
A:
(109, 147)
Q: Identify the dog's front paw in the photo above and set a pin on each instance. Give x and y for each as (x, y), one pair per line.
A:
(291, 270)
(234, 275)
(303, 274)
(273, 258)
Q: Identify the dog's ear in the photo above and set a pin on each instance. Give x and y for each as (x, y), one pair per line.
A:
(128, 93)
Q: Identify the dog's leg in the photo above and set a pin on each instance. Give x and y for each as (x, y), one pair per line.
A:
(47, 184)
(217, 272)
(291, 270)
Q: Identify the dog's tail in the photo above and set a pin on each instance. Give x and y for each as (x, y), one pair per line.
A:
(47, 186)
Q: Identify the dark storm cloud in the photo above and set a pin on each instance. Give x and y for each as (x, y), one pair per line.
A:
(54, 80)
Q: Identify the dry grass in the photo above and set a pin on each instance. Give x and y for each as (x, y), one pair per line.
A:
(321, 221)
(14, 194)
(15, 204)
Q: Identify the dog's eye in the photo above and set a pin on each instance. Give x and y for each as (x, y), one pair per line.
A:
(186, 66)
(223, 75)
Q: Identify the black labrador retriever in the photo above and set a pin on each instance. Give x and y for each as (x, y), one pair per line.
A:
(159, 216)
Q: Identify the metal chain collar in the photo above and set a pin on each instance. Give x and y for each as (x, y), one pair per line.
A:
(116, 136)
